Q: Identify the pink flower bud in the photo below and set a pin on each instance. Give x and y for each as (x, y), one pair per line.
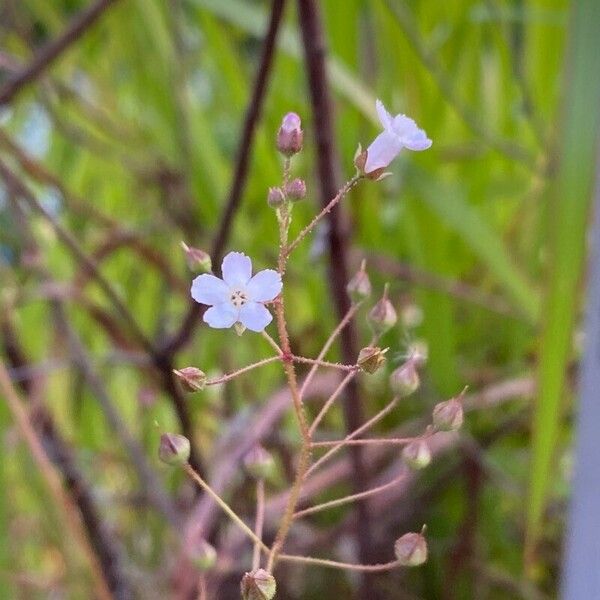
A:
(174, 449)
(276, 197)
(417, 454)
(448, 416)
(290, 135)
(371, 358)
(359, 287)
(259, 463)
(197, 259)
(296, 189)
(191, 378)
(382, 316)
(405, 379)
(258, 585)
(411, 549)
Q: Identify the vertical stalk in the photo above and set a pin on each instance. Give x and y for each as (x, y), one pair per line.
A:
(314, 48)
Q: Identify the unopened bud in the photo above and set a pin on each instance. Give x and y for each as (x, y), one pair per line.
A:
(191, 378)
(259, 463)
(296, 189)
(258, 585)
(203, 556)
(359, 287)
(417, 454)
(360, 160)
(448, 416)
(411, 549)
(197, 259)
(382, 316)
(275, 197)
(290, 135)
(174, 449)
(405, 379)
(371, 358)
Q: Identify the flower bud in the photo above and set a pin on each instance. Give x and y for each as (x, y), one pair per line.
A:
(405, 379)
(382, 316)
(290, 135)
(296, 189)
(197, 259)
(359, 287)
(448, 416)
(416, 454)
(360, 160)
(191, 378)
(174, 449)
(275, 197)
(203, 556)
(259, 463)
(411, 549)
(258, 585)
(371, 358)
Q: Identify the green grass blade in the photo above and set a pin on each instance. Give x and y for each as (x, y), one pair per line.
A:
(570, 204)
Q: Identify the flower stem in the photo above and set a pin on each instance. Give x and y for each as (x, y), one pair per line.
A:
(327, 209)
(245, 369)
(324, 363)
(260, 519)
(272, 342)
(348, 499)
(368, 441)
(382, 413)
(323, 562)
(225, 507)
(340, 388)
(347, 318)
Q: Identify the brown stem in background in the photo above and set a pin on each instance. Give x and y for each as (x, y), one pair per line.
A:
(63, 501)
(51, 51)
(240, 174)
(162, 363)
(104, 544)
(314, 48)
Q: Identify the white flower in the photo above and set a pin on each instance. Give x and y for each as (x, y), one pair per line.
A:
(398, 132)
(238, 297)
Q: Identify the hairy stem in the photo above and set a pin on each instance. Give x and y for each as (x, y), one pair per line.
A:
(225, 507)
(325, 211)
(340, 388)
(234, 374)
(382, 413)
(260, 519)
(334, 335)
(333, 564)
(351, 498)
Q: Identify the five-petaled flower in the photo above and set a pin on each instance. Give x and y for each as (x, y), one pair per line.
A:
(238, 297)
(398, 132)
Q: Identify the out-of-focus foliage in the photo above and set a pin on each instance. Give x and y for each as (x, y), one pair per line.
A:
(139, 121)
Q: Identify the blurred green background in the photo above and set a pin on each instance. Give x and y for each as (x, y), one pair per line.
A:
(129, 140)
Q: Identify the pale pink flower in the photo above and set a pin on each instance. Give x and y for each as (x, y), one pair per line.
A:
(238, 297)
(398, 132)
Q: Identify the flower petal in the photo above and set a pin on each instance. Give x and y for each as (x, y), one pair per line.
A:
(236, 269)
(255, 316)
(384, 116)
(404, 126)
(264, 286)
(417, 141)
(221, 316)
(208, 289)
(382, 151)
